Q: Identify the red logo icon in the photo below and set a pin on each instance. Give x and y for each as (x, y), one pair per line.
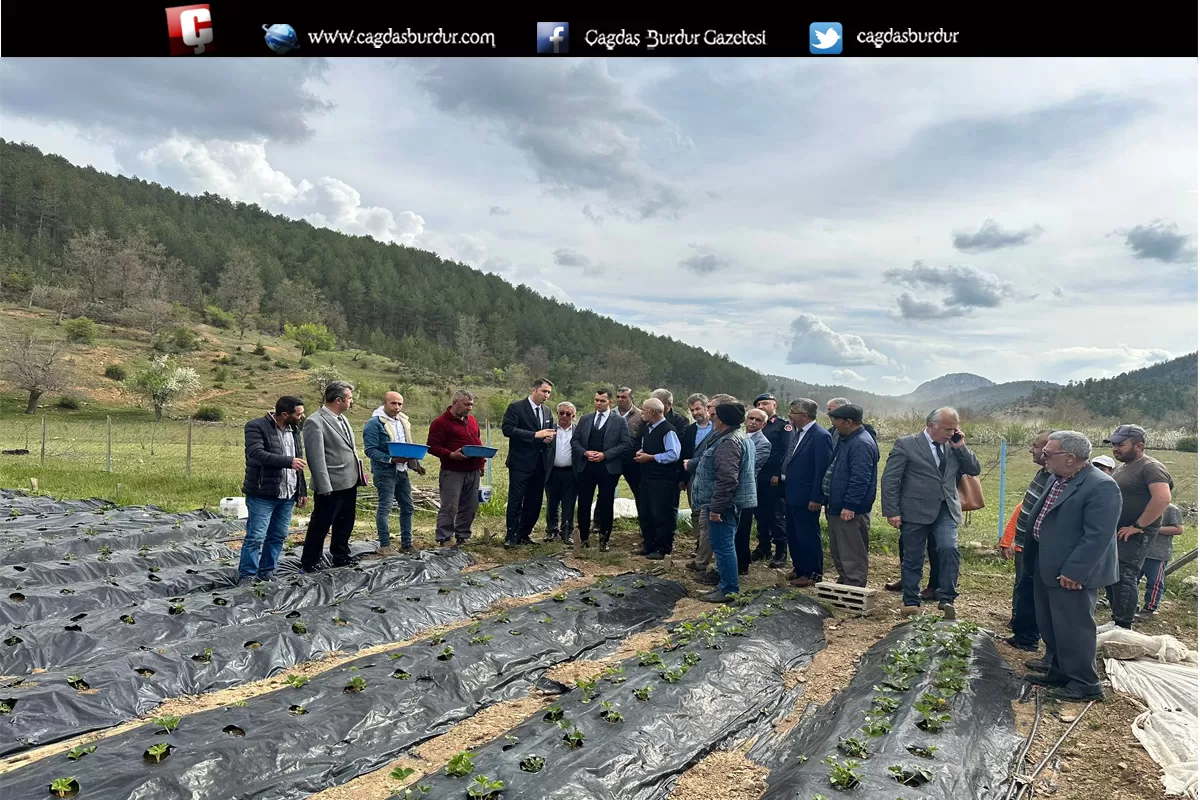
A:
(190, 30)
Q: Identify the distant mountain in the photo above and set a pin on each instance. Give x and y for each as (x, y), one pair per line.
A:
(948, 385)
(1163, 392)
(994, 396)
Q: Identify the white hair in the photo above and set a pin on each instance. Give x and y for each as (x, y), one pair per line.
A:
(654, 404)
(565, 404)
(1074, 443)
(936, 415)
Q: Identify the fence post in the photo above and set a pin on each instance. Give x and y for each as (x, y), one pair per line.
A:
(152, 429)
(189, 448)
(108, 444)
(1003, 466)
(43, 440)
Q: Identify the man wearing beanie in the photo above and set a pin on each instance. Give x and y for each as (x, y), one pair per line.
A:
(849, 490)
(724, 485)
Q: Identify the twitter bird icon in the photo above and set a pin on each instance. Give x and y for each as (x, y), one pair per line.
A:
(825, 38)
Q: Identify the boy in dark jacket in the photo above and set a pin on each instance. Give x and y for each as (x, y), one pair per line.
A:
(849, 489)
(274, 484)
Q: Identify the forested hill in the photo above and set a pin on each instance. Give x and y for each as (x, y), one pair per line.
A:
(1154, 392)
(436, 315)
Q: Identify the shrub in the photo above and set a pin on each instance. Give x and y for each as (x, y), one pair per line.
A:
(305, 363)
(221, 374)
(219, 318)
(68, 403)
(1186, 444)
(250, 385)
(282, 365)
(185, 339)
(116, 372)
(81, 330)
(259, 350)
(209, 414)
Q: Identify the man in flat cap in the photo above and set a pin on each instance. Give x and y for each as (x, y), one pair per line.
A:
(1145, 494)
(849, 490)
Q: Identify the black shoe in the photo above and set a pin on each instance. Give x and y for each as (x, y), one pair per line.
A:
(714, 597)
(694, 567)
(641, 551)
(511, 542)
(1038, 665)
(760, 554)
(604, 545)
(709, 579)
(655, 556)
(743, 572)
(551, 537)
(586, 543)
(1072, 696)
(1044, 679)
(779, 562)
(929, 594)
(897, 586)
(1012, 641)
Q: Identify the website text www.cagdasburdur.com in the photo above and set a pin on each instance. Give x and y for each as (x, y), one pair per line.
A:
(907, 36)
(408, 36)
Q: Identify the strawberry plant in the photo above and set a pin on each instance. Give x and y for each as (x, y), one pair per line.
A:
(574, 738)
(844, 775)
(643, 693)
(77, 753)
(401, 675)
(485, 787)
(157, 752)
(299, 628)
(481, 640)
(885, 704)
(6, 706)
(446, 654)
(923, 752)
(650, 660)
(672, 675)
(588, 689)
(610, 714)
(402, 773)
(502, 617)
(77, 682)
(64, 787)
(176, 609)
(514, 632)
(395, 656)
(513, 741)
(533, 764)
(167, 722)
(445, 590)
(910, 775)
(590, 601)
(297, 710)
(614, 674)
(856, 748)
(356, 685)
(876, 727)
(461, 765)
(296, 681)
(436, 640)
(933, 721)
(559, 597)
(691, 659)
(553, 714)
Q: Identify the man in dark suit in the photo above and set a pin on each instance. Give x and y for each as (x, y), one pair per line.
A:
(1071, 551)
(920, 499)
(530, 431)
(600, 442)
(809, 447)
(770, 514)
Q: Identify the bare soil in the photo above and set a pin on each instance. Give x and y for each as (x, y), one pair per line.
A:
(725, 774)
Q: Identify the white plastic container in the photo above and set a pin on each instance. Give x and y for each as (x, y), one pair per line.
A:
(485, 495)
(234, 507)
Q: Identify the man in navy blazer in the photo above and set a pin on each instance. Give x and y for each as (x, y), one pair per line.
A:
(809, 448)
(599, 445)
(529, 429)
(1071, 551)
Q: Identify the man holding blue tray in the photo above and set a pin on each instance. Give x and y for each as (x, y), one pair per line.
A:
(389, 423)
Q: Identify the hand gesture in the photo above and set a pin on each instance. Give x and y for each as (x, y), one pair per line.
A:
(894, 522)
(299, 464)
(847, 515)
(457, 455)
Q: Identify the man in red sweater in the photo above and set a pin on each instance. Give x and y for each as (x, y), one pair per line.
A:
(458, 480)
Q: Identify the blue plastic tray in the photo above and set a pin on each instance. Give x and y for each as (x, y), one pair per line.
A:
(477, 451)
(407, 450)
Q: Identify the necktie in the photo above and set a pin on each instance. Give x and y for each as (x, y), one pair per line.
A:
(941, 451)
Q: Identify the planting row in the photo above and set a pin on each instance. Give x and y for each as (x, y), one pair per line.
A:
(59, 704)
(629, 731)
(324, 731)
(93, 637)
(928, 715)
(151, 577)
(40, 504)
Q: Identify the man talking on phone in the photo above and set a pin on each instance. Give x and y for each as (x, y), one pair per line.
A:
(920, 499)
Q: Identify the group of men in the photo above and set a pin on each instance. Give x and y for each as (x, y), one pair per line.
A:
(1077, 529)
(281, 445)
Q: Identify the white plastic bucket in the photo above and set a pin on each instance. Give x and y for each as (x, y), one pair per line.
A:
(234, 507)
(485, 494)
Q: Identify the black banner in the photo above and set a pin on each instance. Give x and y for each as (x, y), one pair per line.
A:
(271, 30)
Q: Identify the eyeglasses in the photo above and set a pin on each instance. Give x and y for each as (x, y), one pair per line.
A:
(1048, 454)
(565, 414)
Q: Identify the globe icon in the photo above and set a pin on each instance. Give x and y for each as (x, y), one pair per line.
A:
(281, 38)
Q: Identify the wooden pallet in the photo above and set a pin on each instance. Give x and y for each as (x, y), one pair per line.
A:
(852, 598)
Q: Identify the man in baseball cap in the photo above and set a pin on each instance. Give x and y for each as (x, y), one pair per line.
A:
(1104, 463)
(1124, 432)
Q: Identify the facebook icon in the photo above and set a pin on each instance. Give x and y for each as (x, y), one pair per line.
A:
(552, 37)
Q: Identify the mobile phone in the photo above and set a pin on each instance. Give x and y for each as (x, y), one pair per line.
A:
(956, 438)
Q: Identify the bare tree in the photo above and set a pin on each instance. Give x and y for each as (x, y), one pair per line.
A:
(469, 343)
(240, 289)
(89, 257)
(63, 300)
(30, 365)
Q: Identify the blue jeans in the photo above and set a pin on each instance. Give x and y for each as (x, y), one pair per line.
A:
(944, 530)
(1152, 571)
(394, 487)
(267, 524)
(721, 540)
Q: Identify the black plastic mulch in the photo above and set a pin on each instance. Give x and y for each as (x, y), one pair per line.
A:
(735, 680)
(973, 749)
(295, 741)
(46, 708)
(171, 610)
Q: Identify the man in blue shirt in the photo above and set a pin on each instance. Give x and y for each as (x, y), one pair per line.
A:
(659, 460)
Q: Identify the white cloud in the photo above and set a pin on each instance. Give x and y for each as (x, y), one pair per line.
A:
(846, 376)
(895, 380)
(1104, 361)
(814, 342)
(241, 171)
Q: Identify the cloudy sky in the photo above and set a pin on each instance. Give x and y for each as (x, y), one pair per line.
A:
(871, 222)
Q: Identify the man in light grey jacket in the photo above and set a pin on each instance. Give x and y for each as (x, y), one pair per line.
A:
(337, 473)
(920, 498)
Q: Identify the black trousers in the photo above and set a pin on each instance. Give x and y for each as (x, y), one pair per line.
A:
(560, 497)
(741, 541)
(1123, 595)
(593, 477)
(935, 569)
(770, 514)
(525, 491)
(632, 472)
(657, 513)
(332, 511)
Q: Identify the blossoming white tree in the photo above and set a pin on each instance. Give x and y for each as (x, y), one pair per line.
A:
(163, 383)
